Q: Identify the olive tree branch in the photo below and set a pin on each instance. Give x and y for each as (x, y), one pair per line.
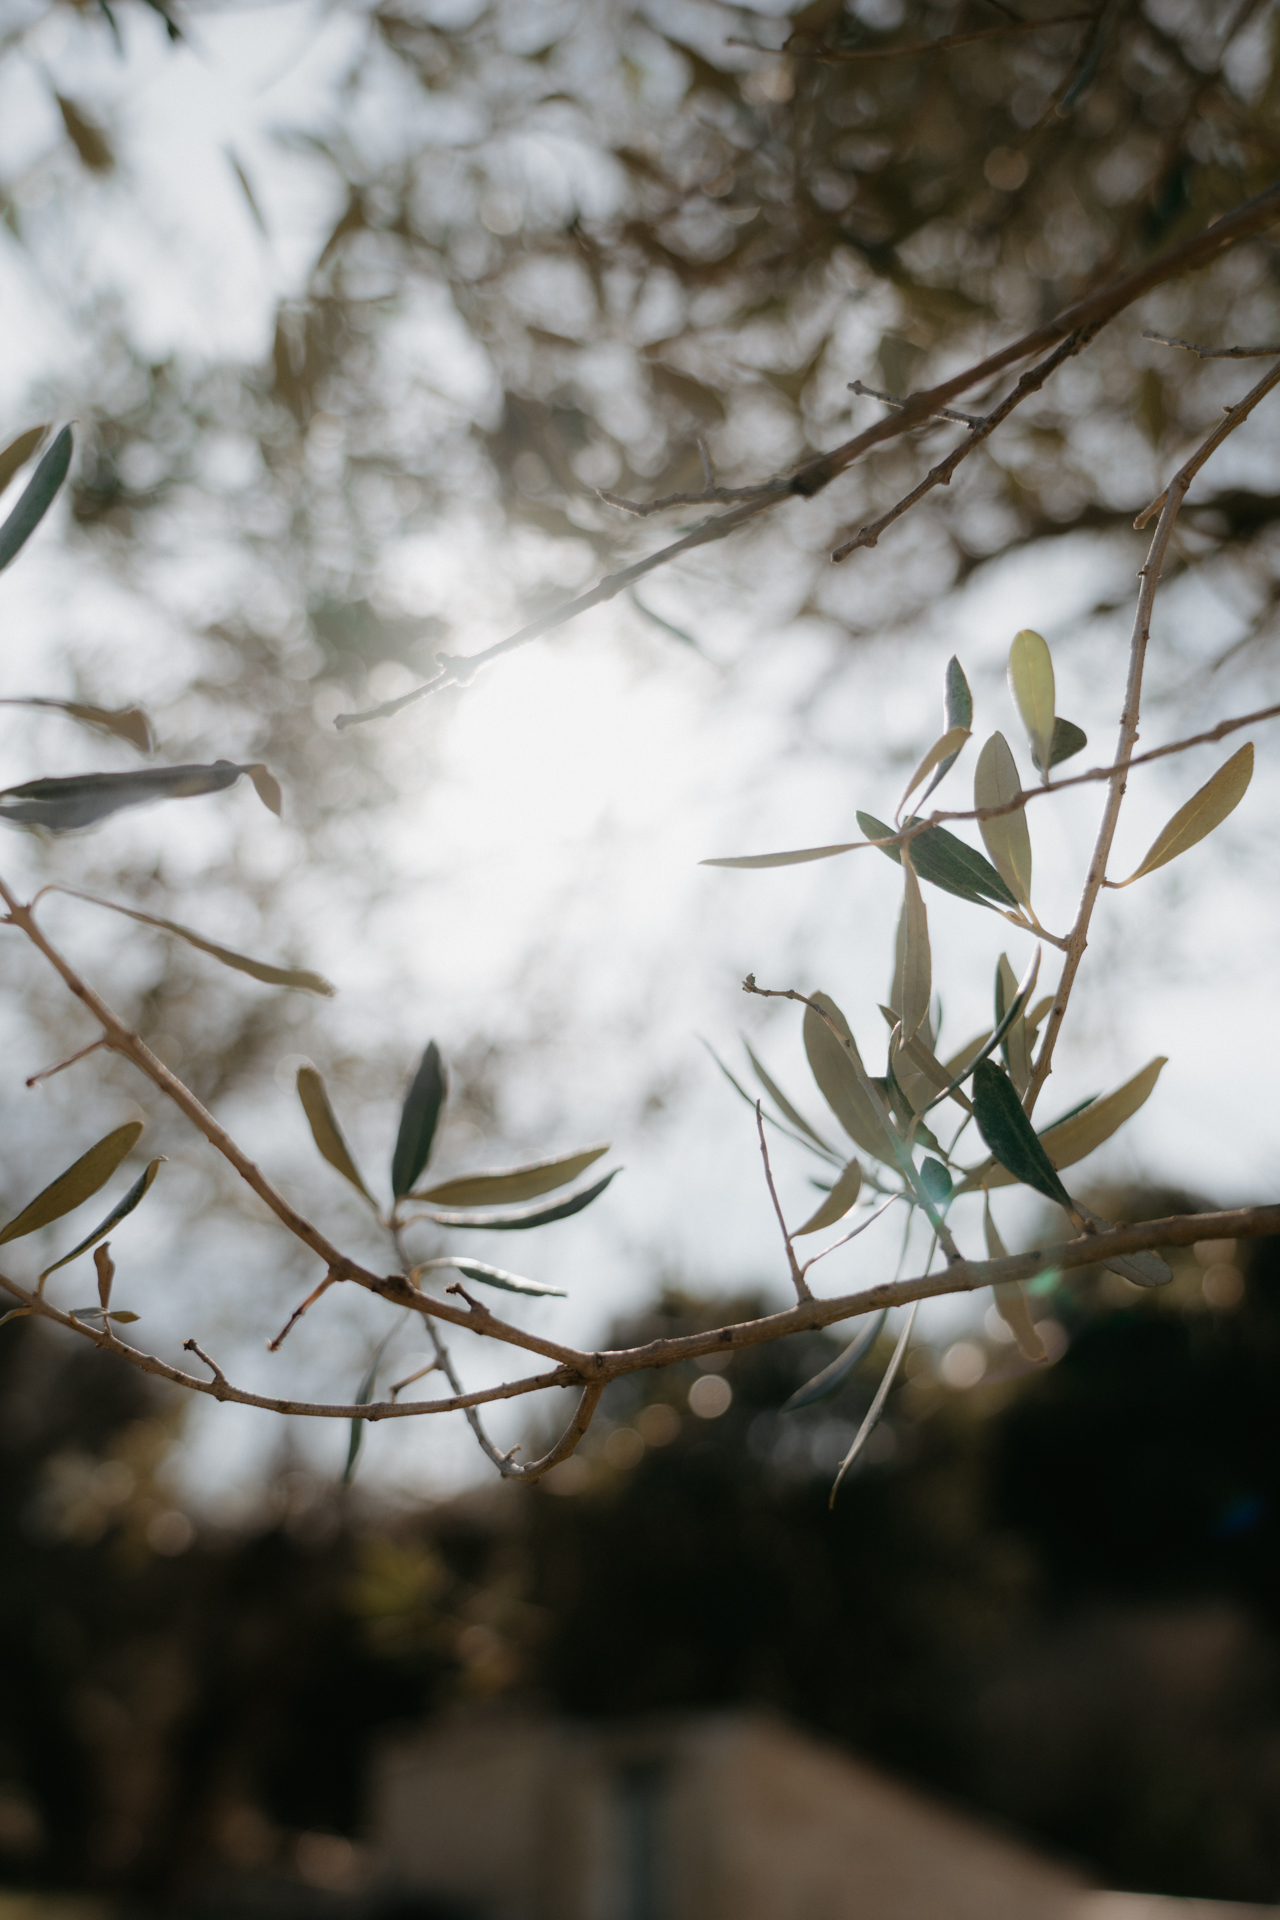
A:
(1093, 310)
(220, 1388)
(982, 428)
(1168, 505)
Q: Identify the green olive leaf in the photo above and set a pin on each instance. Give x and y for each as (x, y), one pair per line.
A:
(418, 1118)
(942, 754)
(1205, 810)
(1031, 684)
(1009, 1134)
(38, 498)
(533, 1217)
(959, 700)
(946, 862)
(936, 1181)
(82, 799)
(1008, 841)
(751, 862)
(835, 1068)
(136, 1193)
(80, 1182)
(829, 1382)
(914, 985)
(325, 1130)
(837, 1203)
(264, 970)
(498, 1277)
(1079, 1132)
(1068, 739)
(513, 1183)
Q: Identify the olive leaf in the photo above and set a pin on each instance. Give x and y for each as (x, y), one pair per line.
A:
(914, 984)
(325, 1130)
(364, 1394)
(739, 1089)
(1205, 810)
(1079, 1132)
(1015, 1045)
(1009, 1134)
(946, 862)
(783, 1105)
(833, 1067)
(1010, 1297)
(936, 1181)
(959, 700)
(123, 1207)
(942, 754)
(78, 1183)
(499, 1277)
(82, 799)
(271, 976)
(1008, 841)
(513, 1183)
(796, 858)
(823, 1385)
(533, 1217)
(837, 1203)
(18, 452)
(1031, 684)
(1068, 739)
(37, 499)
(125, 723)
(418, 1118)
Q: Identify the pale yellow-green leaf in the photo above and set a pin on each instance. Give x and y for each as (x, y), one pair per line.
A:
(1203, 812)
(969, 1051)
(915, 980)
(798, 857)
(1077, 1136)
(833, 1067)
(945, 748)
(267, 787)
(1016, 1042)
(928, 1068)
(837, 1203)
(1011, 1300)
(126, 723)
(1008, 841)
(325, 1130)
(272, 976)
(1038, 1012)
(79, 1183)
(781, 1101)
(1031, 684)
(513, 1183)
(18, 452)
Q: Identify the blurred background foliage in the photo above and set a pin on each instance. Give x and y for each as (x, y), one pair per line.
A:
(561, 242)
(1050, 1595)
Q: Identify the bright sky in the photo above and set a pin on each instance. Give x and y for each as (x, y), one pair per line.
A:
(544, 885)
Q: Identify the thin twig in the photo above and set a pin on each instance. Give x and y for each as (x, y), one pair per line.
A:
(983, 428)
(836, 56)
(1096, 308)
(1211, 353)
(1231, 420)
(47, 1073)
(797, 1271)
(1169, 505)
(896, 400)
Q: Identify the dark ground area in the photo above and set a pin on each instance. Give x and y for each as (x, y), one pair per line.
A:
(1054, 1597)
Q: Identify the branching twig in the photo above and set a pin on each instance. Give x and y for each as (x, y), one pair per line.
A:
(47, 1073)
(797, 1271)
(1211, 353)
(983, 427)
(1169, 505)
(1094, 310)
(896, 400)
